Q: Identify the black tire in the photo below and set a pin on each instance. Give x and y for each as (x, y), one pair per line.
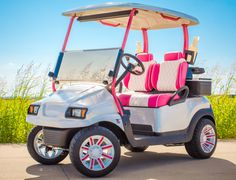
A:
(135, 149)
(193, 147)
(77, 142)
(36, 156)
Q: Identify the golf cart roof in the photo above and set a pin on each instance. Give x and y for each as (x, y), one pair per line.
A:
(146, 17)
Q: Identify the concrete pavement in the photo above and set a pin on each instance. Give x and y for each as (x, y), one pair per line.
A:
(158, 162)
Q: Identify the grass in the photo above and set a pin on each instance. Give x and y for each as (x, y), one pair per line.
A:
(29, 88)
(224, 108)
(13, 127)
(13, 110)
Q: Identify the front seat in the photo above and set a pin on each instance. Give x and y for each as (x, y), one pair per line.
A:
(141, 83)
(166, 78)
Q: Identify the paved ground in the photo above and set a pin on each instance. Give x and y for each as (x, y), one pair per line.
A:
(158, 162)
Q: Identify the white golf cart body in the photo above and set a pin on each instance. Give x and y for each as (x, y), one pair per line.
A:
(168, 124)
(101, 108)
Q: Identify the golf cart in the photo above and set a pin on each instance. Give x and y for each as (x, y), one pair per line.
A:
(110, 98)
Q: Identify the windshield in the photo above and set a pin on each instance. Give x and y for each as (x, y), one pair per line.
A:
(87, 65)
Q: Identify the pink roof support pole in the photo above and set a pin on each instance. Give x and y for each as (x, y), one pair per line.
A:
(113, 86)
(68, 34)
(186, 38)
(64, 46)
(145, 40)
(128, 28)
(54, 86)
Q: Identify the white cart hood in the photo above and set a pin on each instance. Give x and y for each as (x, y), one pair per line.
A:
(74, 93)
(100, 104)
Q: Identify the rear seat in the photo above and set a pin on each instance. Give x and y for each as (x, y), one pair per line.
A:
(165, 77)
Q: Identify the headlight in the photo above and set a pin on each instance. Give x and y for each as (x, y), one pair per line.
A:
(33, 109)
(74, 112)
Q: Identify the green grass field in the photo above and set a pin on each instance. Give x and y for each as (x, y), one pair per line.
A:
(224, 108)
(13, 127)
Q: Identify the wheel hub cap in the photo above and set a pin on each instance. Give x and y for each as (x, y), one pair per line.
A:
(95, 152)
(207, 138)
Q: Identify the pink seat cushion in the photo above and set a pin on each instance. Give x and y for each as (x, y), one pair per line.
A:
(140, 99)
(124, 99)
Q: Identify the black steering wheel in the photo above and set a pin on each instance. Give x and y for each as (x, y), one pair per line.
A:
(136, 67)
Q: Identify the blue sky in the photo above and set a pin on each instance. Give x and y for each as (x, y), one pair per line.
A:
(34, 31)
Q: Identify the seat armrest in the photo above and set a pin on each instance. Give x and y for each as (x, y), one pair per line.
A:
(182, 93)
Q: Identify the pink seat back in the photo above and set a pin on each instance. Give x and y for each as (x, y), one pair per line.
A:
(171, 74)
(141, 82)
(172, 56)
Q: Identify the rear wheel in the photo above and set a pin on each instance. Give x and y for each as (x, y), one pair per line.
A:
(95, 151)
(42, 153)
(204, 140)
(135, 149)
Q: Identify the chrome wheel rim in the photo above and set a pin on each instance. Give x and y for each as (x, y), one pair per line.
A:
(43, 150)
(208, 138)
(97, 153)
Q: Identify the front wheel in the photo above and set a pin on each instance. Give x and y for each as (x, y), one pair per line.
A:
(42, 153)
(95, 151)
(204, 140)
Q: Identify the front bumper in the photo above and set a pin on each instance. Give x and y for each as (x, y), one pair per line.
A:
(58, 137)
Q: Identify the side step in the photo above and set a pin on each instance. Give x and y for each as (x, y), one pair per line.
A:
(155, 139)
(143, 140)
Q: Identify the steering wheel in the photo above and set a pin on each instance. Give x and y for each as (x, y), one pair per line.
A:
(136, 67)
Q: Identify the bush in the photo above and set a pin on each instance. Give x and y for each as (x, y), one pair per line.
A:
(13, 109)
(13, 127)
(224, 108)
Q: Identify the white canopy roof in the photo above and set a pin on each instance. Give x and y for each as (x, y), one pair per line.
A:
(149, 17)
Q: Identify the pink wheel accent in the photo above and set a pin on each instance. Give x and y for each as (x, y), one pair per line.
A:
(206, 147)
(207, 130)
(91, 141)
(85, 157)
(212, 135)
(85, 148)
(100, 163)
(100, 141)
(107, 147)
(106, 156)
(207, 142)
(92, 164)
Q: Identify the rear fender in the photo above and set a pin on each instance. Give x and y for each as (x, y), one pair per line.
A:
(199, 115)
